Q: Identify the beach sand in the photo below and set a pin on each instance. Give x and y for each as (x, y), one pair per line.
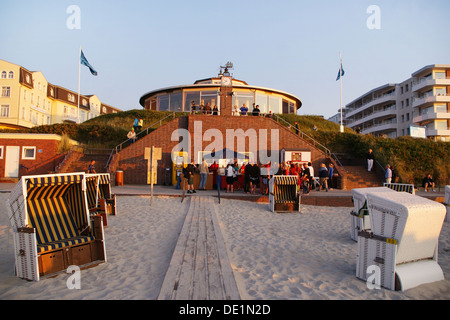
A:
(274, 256)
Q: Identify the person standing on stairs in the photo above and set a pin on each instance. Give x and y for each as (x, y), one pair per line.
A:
(388, 174)
(91, 167)
(370, 158)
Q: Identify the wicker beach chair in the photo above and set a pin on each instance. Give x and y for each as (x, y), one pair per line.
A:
(403, 242)
(283, 196)
(359, 216)
(52, 228)
(101, 201)
(447, 202)
(401, 187)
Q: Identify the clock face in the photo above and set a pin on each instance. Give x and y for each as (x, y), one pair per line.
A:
(226, 81)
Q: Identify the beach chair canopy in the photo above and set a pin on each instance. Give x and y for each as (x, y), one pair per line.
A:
(55, 206)
(412, 222)
(285, 189)
(98, 186)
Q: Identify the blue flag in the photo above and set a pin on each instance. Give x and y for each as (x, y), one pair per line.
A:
(341, 73)
(86, 63)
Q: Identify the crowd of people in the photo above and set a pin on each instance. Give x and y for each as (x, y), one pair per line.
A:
(254, 176)
(242, 111)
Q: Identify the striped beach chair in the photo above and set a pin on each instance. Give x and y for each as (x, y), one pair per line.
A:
(99, 188)
(401, 187)
(52, 227)
(401, 250)
(283, 196)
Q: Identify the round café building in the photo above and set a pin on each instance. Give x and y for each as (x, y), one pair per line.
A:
(221, 91)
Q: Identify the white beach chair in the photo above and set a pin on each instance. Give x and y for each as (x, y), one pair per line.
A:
(447, 202)
(359, 217)
(403, 242)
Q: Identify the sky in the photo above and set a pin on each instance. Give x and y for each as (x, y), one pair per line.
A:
(138, 46)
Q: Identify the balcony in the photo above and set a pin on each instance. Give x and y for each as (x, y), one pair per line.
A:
(438, 132)
(382, 127)
(378, 100)
(430, 116)
(429, 82)
(377, 114)
(428, 99)
(70, 118)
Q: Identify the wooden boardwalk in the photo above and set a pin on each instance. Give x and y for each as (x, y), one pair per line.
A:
(199, 268)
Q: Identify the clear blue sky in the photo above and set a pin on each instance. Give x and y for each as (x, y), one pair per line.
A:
(138, 46)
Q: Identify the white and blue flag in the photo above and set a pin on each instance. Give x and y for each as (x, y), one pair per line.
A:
(84, 61)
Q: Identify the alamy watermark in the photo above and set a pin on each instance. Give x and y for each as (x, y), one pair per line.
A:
(73, 22)
(74, 280)
(258, 149)
(374, 20)
(374, 279)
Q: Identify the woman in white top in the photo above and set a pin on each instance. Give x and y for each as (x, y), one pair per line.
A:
(229, 172)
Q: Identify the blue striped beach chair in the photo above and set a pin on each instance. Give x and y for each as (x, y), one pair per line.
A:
(283, 196)
(52, 227)
(99, 189)
(401, 187)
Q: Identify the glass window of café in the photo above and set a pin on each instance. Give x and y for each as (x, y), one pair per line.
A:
(210, 97)
(163, 103)
(189, 97)
(176, 103)
(262, 101)
(241, 98)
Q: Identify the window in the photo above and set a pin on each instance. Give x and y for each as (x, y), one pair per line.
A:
(28, 153)
(188, 98)
(6, 91)
(1, 152)
(11, 75)
(163, 103)
(4, 111)
(3, 74)
(176, 102)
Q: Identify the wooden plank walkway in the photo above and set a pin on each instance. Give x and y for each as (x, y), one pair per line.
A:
(199, 268)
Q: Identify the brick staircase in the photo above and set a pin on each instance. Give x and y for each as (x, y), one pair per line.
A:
(357, 176)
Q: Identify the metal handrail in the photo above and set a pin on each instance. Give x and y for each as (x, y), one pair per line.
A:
(118, 148)
(303, 135)
(58, 167)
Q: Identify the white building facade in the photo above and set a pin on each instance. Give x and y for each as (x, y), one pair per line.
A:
(423, 100)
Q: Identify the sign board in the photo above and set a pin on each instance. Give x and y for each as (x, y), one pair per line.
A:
(418, 132)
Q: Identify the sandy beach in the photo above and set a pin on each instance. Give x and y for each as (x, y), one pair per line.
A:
(294, 256)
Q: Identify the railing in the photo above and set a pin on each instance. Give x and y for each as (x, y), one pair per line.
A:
(119, 147)
(74, 148)
(303, 135)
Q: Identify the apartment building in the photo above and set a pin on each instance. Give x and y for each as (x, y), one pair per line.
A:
(423, 100)
(27, 99)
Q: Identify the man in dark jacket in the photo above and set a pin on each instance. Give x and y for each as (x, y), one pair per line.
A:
(189, 175)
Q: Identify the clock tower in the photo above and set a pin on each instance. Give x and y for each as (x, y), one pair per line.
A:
(226, 91)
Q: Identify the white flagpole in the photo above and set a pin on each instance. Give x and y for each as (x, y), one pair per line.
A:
(340, 81)
(79, 73)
